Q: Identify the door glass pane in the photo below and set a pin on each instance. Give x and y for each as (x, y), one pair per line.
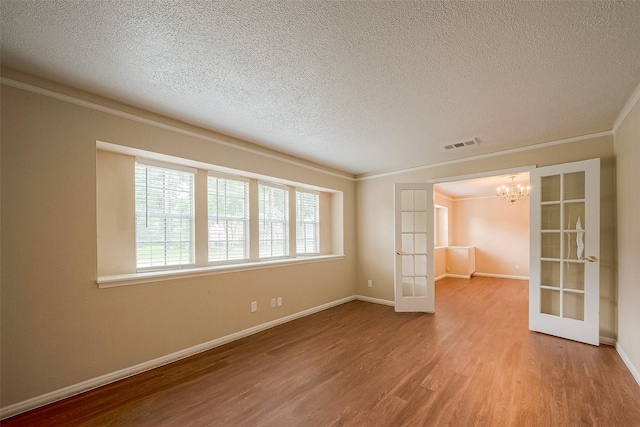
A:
(550, 302)
(574, 216)
(573, 305)
(421, 286)
(421, 222)
(550, 273)
(420, 243)
(407, 265)
(407, 286)
(574, 186)
(420, 265)
(407, 243)
(550, 245)
(407, 222)
(420, 200)
(550, 217)
(550, 191)
(573, 275)
(574, 245)
(407, 200)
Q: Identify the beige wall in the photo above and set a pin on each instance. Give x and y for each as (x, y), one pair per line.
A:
(58, 328)
(116, 225)
(498, 229)
(627, 149)
(375, 212)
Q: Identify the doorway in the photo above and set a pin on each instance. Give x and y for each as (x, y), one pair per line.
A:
(564, 231)
(486, 235)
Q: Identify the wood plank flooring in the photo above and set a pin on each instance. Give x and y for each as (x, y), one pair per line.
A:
(473, 363)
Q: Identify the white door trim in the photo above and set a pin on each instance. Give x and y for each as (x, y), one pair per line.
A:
(510, 171)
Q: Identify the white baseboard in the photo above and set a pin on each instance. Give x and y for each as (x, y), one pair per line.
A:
(498, 276)
(608, 341)
(459, 276)
(63, 393)
(501, 276)
(376, 300)
(455, 276)
(627, 361)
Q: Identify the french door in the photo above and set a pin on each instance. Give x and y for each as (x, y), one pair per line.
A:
(564, 288)
(414, 285)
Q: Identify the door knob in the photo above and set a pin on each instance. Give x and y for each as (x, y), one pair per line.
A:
(590, 258)
(401, 253)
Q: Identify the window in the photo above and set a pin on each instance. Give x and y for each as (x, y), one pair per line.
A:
(187, 218)
(164, 215)
(273, 220)
(441, 225)
(228, 207)
(307, 223)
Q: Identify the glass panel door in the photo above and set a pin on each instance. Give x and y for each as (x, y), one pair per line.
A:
(412, 247)
(562, 235)
(564, 288)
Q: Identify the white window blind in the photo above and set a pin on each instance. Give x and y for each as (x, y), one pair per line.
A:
(228, 206)
(307, 223)
(164, 215)
(273, 221)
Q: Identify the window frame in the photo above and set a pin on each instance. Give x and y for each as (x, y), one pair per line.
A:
(301, 223)
(286, 222)
(246, 219)
(157, 166)
(117, 244)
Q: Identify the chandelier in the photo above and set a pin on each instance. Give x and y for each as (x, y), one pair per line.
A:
(513, 192)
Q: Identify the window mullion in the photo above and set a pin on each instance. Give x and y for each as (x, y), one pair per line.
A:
(292, 225)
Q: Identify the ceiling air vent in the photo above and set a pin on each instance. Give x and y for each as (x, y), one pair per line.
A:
(458, 145)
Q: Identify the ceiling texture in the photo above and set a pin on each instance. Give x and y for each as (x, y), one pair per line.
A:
(363, 87)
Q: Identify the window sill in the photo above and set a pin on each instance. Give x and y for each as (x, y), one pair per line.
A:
(160, 276)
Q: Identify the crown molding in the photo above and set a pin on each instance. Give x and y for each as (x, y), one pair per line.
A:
(633, 100)
(158, 124)
(488, 155)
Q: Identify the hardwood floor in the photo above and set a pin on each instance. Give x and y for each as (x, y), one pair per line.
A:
(359, 364)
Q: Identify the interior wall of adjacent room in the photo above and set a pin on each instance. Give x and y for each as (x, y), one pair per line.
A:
(498, 229)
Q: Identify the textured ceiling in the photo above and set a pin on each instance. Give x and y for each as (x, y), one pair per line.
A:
(359, 86)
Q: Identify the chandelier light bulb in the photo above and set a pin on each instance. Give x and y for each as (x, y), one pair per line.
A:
(513, 192)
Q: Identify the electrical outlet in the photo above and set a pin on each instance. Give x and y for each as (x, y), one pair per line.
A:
(448, 269)
(279, 301)
(254, 306)
(517, 266)
(370, 283)
(273, 302)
